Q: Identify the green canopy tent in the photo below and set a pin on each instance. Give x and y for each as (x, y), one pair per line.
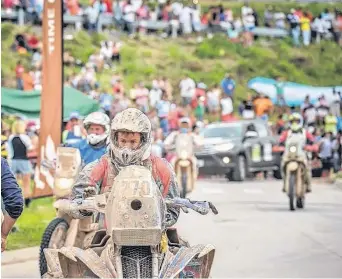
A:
(28, 103)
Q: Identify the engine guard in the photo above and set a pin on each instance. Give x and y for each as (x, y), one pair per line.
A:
(196, 260)
(74, 262)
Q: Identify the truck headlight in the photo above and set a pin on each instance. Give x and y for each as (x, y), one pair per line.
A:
(224, 147)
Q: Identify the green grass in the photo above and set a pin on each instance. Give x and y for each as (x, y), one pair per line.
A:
(31, 224)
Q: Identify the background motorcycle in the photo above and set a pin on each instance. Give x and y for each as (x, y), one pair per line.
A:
(64, 230)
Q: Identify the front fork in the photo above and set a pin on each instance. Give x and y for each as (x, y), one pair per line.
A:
(301, 184)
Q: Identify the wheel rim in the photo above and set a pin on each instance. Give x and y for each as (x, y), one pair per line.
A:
(242, 167)
(58, 236)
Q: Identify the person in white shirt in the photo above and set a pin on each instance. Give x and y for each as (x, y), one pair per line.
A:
(196, 19)
(226, 106)
(187, 87)
(279, 18)
(155, 95)
(335, 104)
(185, 20)
(129, 17)
(318, 26)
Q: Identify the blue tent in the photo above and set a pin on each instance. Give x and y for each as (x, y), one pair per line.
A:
(294, 93)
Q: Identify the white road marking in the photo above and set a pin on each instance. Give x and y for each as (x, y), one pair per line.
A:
(212, 191)
(253, 191)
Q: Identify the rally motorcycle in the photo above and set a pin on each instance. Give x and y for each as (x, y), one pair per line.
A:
(136, 241)
(184, 166)
(295, 162)
(64, 230)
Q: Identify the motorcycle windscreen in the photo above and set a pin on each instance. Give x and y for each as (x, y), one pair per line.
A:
(184, 146)
(135, 208)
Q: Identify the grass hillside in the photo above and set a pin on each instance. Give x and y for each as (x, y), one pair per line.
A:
(148, 57)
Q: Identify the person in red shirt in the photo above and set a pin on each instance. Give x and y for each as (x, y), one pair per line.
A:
(19, 70)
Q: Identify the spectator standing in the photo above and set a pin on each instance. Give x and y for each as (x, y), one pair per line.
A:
(187, 87)
(318, 28)
(226, 108)
(18, 146)
(11, 202)
(294, 22)
(279, 18)
(306, 29)
(335, 105)
(185, 20)
(19, 71)
(163, 109)
(228, 85)
(268, 17)
(92, 12)
(129, 17)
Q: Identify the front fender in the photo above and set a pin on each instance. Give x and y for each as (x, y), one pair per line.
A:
(73, 262)
(197, 260)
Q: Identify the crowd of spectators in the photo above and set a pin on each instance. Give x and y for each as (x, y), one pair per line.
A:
(129, 15)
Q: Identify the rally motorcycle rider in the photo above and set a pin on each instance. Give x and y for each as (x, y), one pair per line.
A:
(130, 144)
(184, 128)
(97, 125)
(295, 127)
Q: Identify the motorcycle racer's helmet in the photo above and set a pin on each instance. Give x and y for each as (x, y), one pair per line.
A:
(97, 118)
(296, 123)
(130, 121)
(184, 125)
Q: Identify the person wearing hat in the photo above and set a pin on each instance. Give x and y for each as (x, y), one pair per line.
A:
(73, 133)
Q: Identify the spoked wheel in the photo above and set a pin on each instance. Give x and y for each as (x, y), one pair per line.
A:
(53, 237)
(292, 186)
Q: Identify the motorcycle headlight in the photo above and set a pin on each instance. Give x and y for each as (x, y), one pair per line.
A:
(224, 147)
(64, 183)
(184, 155)
(293, 149)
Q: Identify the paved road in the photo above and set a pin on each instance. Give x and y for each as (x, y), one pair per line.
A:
(256, 235)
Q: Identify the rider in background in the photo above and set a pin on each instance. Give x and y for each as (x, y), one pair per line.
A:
(95, 145)
(170, 141)
(296, 127)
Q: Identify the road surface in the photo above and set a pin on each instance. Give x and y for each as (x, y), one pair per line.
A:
(256, 235)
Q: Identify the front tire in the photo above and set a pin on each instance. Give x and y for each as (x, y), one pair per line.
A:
(292, 187)
(184, 184)
(300, 202)
(54, 237)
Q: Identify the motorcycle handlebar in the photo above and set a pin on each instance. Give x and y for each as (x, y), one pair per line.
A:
(94, 204)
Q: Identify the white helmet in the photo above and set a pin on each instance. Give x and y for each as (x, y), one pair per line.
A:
(135, 121)
(98, 118)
